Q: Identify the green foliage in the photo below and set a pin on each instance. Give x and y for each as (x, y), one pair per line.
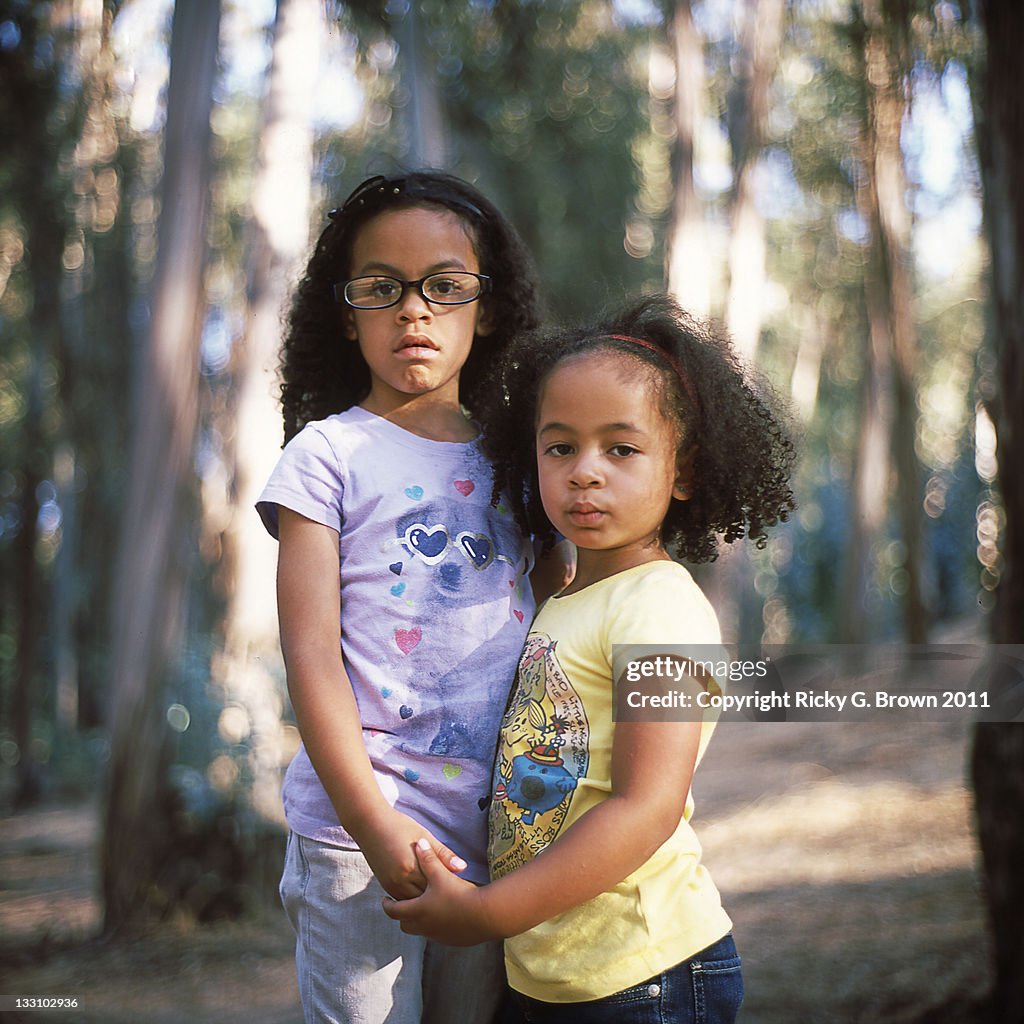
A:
(546, 104)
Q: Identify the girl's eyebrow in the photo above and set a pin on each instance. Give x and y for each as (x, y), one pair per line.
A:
(605, 428)
(561, 428)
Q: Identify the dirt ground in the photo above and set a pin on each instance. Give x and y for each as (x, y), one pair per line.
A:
(845, 855)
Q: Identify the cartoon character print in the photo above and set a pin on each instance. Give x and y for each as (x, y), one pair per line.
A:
(542, 754)
(450, 557)
(462, 543)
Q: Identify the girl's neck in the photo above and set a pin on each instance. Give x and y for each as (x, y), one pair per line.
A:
(425, 416)
(594, 566)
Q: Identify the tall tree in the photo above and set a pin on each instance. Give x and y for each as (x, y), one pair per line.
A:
(423, 111)
(84, 355)
(885, 451)
(888, 283)
(760, 43)
(998, 756)
(150, 575)
(279, 233)
(116, 176)
(687, 260)
(757, 56)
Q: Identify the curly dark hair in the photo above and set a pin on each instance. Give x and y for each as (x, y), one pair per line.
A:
(744, 449)
(320, 373)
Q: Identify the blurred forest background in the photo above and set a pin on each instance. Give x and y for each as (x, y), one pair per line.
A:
(805, 171)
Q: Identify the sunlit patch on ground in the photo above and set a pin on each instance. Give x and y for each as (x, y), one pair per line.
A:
(849, 869)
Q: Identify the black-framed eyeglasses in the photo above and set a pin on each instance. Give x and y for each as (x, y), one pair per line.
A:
(447, 288)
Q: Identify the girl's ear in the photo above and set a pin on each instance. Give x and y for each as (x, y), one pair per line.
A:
(682, 488)
(350, 326)
(485, 322)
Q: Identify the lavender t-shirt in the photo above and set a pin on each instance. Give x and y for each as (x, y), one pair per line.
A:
(435, 606)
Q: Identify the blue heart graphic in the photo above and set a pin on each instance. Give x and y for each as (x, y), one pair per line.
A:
(429, 543)
(405, 711)
(414, 492)
(398, 589)
(385, 691)
(411, 776)
(396, 568)
(478, 548)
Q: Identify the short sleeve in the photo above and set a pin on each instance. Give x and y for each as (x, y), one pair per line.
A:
(663, 607)
(309, 479)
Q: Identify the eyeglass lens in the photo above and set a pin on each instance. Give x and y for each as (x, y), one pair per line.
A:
(447, 289)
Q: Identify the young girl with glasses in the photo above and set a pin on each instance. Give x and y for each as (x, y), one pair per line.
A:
(403, 594)
(646, 437)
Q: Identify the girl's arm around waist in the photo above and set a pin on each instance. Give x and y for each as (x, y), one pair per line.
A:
(309, 609)
(652, 767)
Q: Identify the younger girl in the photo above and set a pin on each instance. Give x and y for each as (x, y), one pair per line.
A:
(647, 436)
(398, 677)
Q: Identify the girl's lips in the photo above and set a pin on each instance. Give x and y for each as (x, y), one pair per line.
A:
(585, 515)
(416, 348)
(416, 341)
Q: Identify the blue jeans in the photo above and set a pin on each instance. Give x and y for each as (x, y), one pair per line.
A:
(706, 989)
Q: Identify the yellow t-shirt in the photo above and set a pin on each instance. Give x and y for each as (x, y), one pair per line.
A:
(554, 764)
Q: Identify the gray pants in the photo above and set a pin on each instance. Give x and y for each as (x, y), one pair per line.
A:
(356, 966)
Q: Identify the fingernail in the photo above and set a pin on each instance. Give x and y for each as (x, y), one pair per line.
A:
(422, 844)
(458, 863)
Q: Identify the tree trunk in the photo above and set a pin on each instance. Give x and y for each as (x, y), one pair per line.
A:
(28, 784)
(890, 289)
(813, 342)
(762, 39)
(687, 261)
(150, 577)
(998, 756)
(869, 480)
(423, 110)
(888, 413)
(869, 484)
(36, 186)
(729, 587)
(96, 207)
(280, 238)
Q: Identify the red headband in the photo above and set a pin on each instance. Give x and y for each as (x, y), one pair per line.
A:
(668, 357)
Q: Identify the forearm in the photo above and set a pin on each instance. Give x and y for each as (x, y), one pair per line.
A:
(309, 609)
(328, 719)
(612, 839)
(597, 852)
(583, 863)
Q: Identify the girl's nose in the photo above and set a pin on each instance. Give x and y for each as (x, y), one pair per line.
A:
(586, 471)
(413, 306)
